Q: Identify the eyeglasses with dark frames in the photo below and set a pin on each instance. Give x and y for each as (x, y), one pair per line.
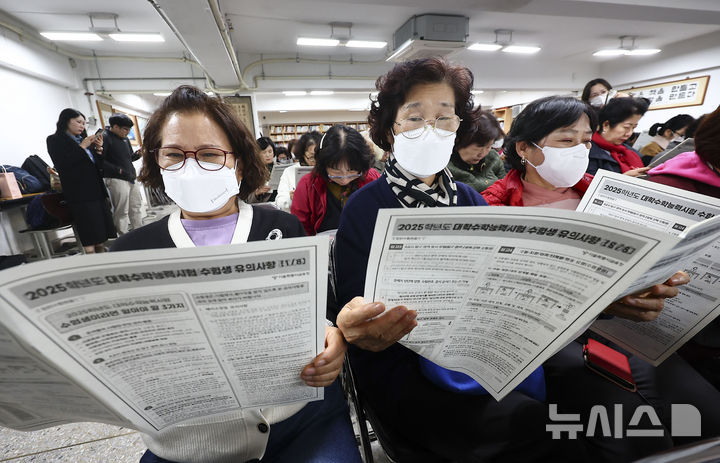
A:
(170, 158)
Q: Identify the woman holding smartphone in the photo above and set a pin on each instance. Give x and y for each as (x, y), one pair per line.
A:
(78, 160)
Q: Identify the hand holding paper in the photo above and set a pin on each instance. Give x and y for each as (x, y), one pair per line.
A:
(647, 306)
(324, 368)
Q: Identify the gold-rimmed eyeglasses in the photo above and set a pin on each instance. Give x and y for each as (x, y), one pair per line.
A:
(414, 127)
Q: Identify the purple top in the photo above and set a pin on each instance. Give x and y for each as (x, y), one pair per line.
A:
(211, 232)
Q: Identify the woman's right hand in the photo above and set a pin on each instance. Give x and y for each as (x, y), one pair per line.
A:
(360, 327)
(89, 140)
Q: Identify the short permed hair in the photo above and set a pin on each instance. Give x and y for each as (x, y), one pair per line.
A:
(343, 143)
(188, 99)
(394, 86)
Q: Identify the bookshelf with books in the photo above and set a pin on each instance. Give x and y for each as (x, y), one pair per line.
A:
(283, 133)
(504, 117)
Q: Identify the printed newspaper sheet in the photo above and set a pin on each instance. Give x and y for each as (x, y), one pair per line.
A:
(148, 339)
(499, 290)
(672, 211)
(300, 172)
(275, 175)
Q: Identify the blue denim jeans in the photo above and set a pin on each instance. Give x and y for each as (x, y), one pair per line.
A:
(319, 433)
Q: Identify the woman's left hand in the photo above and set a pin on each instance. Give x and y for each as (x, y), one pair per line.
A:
(98, 143)
(324, 368)
(646, 306)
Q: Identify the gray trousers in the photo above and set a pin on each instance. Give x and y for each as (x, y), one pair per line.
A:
(127, 204)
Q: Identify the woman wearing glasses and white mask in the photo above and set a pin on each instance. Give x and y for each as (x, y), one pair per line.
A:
(209, 164)
(443, 414)
(343, 164)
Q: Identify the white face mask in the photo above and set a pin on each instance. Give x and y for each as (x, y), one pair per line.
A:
(563, 167)
(198, 190)
(426, 155)
(602, 99)
(498, 144)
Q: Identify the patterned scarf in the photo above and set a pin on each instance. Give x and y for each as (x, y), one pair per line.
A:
(412, 192)
(626, 157)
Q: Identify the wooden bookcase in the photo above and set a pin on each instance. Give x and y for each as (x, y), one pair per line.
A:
(504, 117)
(283, 133)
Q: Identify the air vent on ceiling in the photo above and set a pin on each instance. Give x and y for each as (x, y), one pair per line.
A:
(430, 35)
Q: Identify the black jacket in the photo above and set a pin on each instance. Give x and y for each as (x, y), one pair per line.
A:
(601, 159)
(264, 223)
(81, 178)
(118, 154)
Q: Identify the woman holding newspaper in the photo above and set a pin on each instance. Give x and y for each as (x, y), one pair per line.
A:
(208, 164)
(420, 106)
(304, 149)
(548, 148)
(444, 415)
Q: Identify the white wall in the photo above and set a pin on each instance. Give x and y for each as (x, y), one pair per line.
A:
(511, 98)
(36, 85)
(690, 58)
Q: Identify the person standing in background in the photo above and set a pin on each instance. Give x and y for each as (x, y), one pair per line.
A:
(120, 175)
(598, 92)
(79, 162)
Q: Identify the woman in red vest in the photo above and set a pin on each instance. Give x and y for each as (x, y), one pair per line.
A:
(343, 164)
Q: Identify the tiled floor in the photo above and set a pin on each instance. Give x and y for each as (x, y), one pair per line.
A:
(84, 443)
(76, 443)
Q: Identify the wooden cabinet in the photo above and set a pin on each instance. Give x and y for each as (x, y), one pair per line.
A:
(504, 117)
(283, 133)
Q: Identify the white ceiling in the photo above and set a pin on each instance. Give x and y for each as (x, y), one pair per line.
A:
(568, 31)
(72, 15)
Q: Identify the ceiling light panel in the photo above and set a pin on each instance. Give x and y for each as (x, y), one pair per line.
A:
(313, 42)
(611, 52)
(72, 36)
(643, 51)
(131, 37)
(525, 50)
(484, 47)
(365, 44)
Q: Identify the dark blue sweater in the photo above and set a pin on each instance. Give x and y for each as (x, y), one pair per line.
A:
(352, 250)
